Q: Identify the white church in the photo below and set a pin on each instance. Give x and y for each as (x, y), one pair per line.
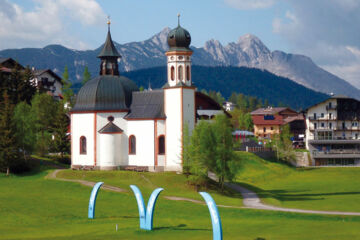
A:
(114, 125)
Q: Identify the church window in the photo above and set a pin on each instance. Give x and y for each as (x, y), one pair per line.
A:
(180, 74)
(161, 145)
(172, 73)
(82, 145)
(132, 144)
(188, 73)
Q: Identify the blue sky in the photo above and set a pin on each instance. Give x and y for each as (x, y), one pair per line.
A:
(328, 31)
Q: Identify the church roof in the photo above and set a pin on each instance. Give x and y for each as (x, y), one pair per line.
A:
(109, 49)
(147, 105)
(106, 92)
(111, 128)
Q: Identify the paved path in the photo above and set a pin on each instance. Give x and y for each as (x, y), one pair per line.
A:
(53, 174)
(250, 198)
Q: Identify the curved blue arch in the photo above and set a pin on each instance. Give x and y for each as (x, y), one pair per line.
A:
(150, 208)
(141, 205)
(146, 218)
(215, 217)
(92, 201)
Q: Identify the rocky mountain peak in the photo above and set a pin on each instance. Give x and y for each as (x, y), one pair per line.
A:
(251, 43)
(161, 38)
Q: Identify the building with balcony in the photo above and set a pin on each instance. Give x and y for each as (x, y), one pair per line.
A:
(333, 132)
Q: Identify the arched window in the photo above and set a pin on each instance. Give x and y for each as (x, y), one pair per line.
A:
(188, 73)
(82, 145)
(172, 73)
(180, 73)
(161, 145)
(132, 144)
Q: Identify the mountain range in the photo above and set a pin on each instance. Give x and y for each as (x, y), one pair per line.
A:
(249, 51)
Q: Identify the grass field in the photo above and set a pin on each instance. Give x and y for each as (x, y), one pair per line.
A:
(35, 208)
(173, 184)
(335, 189)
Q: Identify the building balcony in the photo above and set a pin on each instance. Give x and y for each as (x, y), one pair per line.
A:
(346, 153)
(338, 140)
(312, 118)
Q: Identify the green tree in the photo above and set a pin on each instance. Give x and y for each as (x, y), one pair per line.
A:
(233, 97)
(60, 129)
(86, 75)
(201, 153)
(27, 88)
(14, 85)
(25, 134)
(8, 147)
(224, 166)
(283, 144)
(44, 108)
(141, 88)
(67, 91)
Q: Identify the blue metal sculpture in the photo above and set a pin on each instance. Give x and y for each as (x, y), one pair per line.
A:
(92, 202)
(146, 218)
(215, 217)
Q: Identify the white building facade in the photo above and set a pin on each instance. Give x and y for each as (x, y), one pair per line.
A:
(333, 132)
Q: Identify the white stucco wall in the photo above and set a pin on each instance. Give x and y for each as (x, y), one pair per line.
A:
(82, 125)
(173, 128)
(161, 158)
(107, 150)
(121, 149)
(189, 108)
(143, 130)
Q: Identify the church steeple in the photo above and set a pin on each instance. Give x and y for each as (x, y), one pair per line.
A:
(109, 56)
(179, 57)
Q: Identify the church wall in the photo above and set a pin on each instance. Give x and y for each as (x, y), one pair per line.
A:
(189, 108)
(82, 125)
(173, 106)
(109, 143)
(143, 130)
(161, 131)
(121, 150)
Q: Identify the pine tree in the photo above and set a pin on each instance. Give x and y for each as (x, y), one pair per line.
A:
(15, 85)
(27, 88)
(60, 129)
(68, 92)
(86, 76)
(8, 147)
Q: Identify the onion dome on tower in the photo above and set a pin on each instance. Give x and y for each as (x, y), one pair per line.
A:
(179, 39)
(109, 91)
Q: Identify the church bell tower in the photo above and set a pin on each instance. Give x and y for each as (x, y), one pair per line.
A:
(109, 56)
(179, 95)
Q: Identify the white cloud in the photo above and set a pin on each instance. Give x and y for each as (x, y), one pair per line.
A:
(326, 31)
(46, 23)
(250, 4)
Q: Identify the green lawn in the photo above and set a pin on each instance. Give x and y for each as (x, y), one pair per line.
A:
(34, 208)
(173, 184)
(335, 189)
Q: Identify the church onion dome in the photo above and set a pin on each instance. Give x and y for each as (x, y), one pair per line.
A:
(179, 39)
(109, 49)
(105, 92)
